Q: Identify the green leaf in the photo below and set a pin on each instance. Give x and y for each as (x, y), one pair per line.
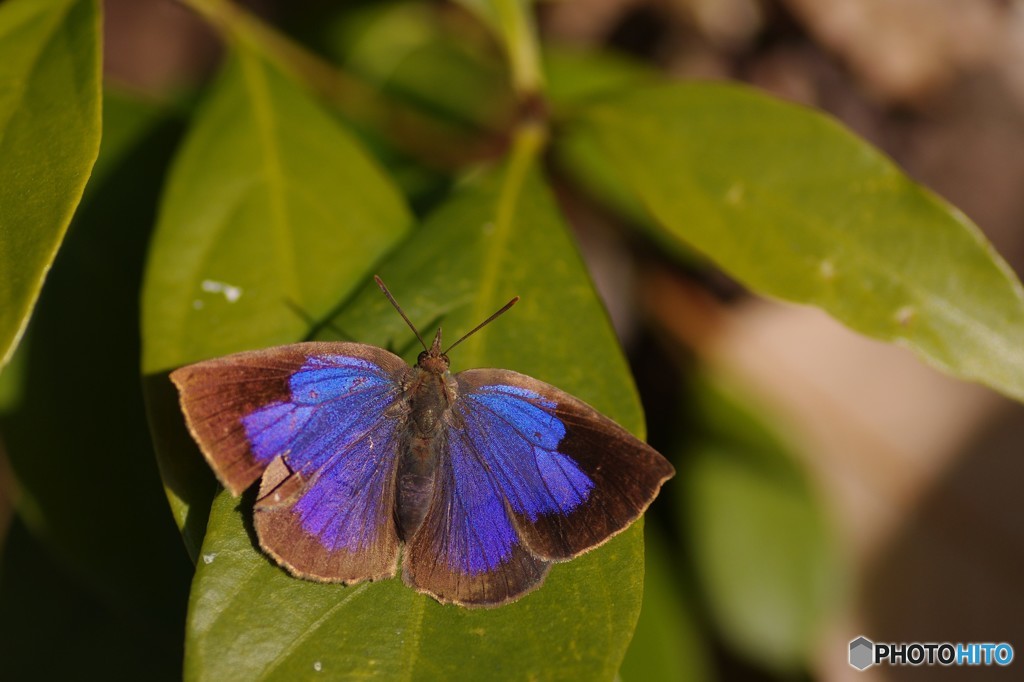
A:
(269, 203)
(406, 49)
(795, 206)
(668, 644)
(760, 538)
(12, 379)
(248, 618)
(576, 76)
(270, 206)
(76, 433)
(49, 138)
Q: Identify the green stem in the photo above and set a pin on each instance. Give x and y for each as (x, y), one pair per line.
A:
(516, 23)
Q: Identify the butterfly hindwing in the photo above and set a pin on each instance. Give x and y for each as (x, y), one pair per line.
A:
(322, 422)
(528, 474)
(467, 551)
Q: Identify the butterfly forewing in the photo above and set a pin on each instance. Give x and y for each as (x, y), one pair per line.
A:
(326, 441)
(217, 394)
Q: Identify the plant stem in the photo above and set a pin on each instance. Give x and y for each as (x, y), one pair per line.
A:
(516, 23)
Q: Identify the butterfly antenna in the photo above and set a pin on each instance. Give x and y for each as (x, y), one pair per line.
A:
(483, 324)
(401, 312)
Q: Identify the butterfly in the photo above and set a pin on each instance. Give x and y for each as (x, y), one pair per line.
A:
(480, 480)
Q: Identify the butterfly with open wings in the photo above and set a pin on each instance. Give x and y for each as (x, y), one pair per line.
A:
(479, 480)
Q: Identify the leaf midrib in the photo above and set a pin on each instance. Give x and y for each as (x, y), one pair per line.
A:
(526, 147)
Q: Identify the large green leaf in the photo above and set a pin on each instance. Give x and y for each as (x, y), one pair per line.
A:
(795, 206)
(500, 235)
(49, 138)
(761, 542)
(271, 212)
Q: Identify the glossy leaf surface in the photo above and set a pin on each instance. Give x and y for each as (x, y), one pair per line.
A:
(794, 206)
(49, 139)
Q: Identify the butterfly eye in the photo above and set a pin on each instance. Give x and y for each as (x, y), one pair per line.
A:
(422, 356)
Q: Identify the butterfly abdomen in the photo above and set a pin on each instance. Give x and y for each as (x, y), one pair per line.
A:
(429, 395)
(415, 486)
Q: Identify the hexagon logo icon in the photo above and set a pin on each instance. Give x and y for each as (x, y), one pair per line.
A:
(862, 652)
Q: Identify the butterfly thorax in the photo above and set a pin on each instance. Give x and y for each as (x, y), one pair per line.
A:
(430, 391)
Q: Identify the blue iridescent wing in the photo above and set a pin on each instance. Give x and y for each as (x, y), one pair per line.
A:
(321, 423)
(528, 475)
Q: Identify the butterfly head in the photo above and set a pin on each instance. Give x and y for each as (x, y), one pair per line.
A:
(433, 359)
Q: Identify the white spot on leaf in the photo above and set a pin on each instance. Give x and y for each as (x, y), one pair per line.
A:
(905, 315)
(230, 291)
(317, 666)
(827, 269)
(208, 558)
